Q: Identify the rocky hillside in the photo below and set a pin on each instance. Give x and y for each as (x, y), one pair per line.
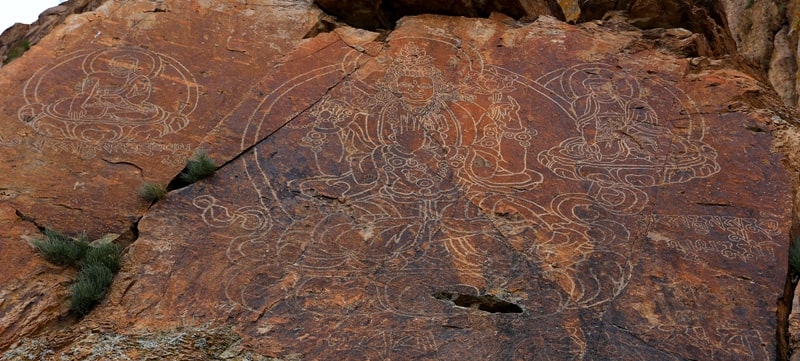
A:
(404, 180)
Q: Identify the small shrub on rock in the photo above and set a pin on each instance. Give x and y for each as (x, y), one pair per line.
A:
(198, 168)
(96, 262)
(90, 288)
(59, 249)
(17, 51)
(106, 254)
(152, 192)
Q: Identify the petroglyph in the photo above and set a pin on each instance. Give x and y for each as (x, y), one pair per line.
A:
(171, 153)
(122, 94)
(623, 145)
(421, 174)
(745, 239)
(436, 166)
(10, 142)
(724, 342)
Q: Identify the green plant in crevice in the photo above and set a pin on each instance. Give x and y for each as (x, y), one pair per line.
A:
(90, 288)
(152, 191)
(17, 51)
(59, 249)
(201, 166)
(97, 262)
(749, 4)
(794, 257)
(105, 254)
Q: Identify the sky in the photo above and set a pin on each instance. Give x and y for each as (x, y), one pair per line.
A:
(22, 11)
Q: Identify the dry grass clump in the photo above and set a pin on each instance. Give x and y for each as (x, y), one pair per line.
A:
(97, 263)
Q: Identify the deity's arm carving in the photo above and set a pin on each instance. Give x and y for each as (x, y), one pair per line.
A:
(89, 88)
(585, 114)
(360, 155)
(639, 111)
(643, 129)
(329, 133)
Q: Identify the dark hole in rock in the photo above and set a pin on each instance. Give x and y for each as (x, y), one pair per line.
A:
(383, 14)
(488, 303)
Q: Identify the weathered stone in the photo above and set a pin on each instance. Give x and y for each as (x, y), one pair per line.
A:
(33, 294)
(648, 14)
(596, 9)
(184, 343)
(793, 20)
(47, 20)
(753, 25)
(571, 10)
(438, 192)
(377, 211)
(783, 64)
(372, 14)
(111, 99)
(703, 19)
(759, 29)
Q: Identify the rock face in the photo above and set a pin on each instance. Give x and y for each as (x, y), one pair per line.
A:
(96, 108)
(762, 32)
(49, 19)
(437, 192)
(371, 14)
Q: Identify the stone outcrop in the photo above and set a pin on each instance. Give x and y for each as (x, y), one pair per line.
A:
(377, 14)
(99, 107)
(455, 188)
(763, 33)
(766, 36)
(30, 34)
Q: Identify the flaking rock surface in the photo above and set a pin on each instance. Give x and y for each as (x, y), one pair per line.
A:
(457, 189)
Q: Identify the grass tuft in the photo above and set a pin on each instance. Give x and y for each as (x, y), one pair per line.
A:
(152, 192)
(59, 249)
(18, 50)
(794, 257)
(198, 168)
(97, 263)
(107, 254)
(90, 288)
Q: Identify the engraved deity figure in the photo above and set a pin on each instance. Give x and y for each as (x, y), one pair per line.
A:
(112, 102)
(616, 127)
(415, 149)
(621, 147)
(120, 93)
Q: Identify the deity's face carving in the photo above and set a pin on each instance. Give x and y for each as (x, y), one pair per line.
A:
(416, 90)
(604, 91)
(123, 66)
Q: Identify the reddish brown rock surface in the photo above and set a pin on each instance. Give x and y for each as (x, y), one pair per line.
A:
(457, 189)
(47, 21)
(110, 100)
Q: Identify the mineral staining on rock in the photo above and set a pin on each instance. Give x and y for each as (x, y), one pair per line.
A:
(444, 193)
(436, 194)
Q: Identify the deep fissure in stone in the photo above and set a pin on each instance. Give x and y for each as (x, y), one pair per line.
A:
(488, 303)
(383, 14)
